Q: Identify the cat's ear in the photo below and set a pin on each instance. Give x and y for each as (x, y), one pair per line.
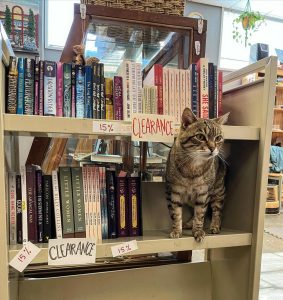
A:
(188, 117)
(223, 119)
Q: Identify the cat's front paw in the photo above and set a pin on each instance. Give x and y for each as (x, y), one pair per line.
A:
(175, 234)
(214, 229)
(198, 235)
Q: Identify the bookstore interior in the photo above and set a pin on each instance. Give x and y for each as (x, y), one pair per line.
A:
(133, 159)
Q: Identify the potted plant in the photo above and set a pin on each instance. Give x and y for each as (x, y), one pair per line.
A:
(248, 21)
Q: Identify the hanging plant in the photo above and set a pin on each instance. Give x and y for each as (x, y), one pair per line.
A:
(246, 23)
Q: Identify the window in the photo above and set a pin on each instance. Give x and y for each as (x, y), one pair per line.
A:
(235, 55)
(59, 17)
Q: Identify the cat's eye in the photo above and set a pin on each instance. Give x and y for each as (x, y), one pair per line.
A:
(218, 139)
(200, 137)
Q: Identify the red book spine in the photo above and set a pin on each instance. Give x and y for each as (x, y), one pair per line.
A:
(159, 84)
(122, 207)
(59, 96)
(118, 97)
(220, 91)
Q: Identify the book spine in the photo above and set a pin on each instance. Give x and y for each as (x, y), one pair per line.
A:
(188, 85)
(29, 87)
(172, 92)
(202, 66)
(31, 204)
(98, 206)
(19, 209)
(103, 204)
(102, 93)
(194, 89)
(12, 208)
(165, 91)
(80, 91)
(66, 202)
(91, 183)
(98, 93)
(211, 90)
(153, 99)
(94, 90)
(182, 92)
(24, 206)
(78, 199)
(111, 204)
(11, 104)
(88, 92)
(139, 86)
(73, 91)
(50, 88)
(159, 84)
(133, 87)
(21, 86)
(86, 202)
(220, 91)
(47, 200)
(215, 96)
(127, 108)
(36, 86)
(118, 97)
(109, 98)
(59, 89)
(122, 207)
(177, 95)
(134, 206)
(67, 90)
(38, 175)
(41, 88)
(56, 205)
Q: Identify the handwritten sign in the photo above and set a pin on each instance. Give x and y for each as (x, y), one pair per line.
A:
(71, 251)
(24, 257)
(154, 128)
(106, 127)
(124, 248)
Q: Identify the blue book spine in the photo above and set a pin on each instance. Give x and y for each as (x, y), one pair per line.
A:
(80, 91)
(29, 86)
(50, 88)
(88, 92)
(194, 89)
(21, 86)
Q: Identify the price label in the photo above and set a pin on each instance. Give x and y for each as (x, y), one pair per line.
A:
(24, 257)
(111, 127)
(124, 248)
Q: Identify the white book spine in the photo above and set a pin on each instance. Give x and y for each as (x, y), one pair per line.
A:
(93, 228)
(188, 89)
(86, 202)
(90, 200)
(165, 91)
(171, 92)
(139, 86)
(24, 205)
(133, 88)
(57, 207)
(98, 206)
(177, 95)
(12, 208)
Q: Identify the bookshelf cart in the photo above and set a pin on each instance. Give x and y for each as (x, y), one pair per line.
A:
(231, 269)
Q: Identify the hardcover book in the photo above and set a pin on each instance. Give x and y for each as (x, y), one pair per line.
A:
(47, 198)
(11, 105)
(122, 205)
(29, 86)
(21, 86)
(67, 90)
(88, 92)
(59, 89)
(118, 97)
(80, 91)
(38, 175)
(50, 88)
(12, 208)
(19, 209)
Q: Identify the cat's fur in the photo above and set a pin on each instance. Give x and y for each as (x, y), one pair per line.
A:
(195, 174)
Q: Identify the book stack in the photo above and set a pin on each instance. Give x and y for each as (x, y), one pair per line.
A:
(90, 201)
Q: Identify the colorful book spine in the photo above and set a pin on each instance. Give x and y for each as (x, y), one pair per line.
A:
(215, 101)
(91, 182)
(59, 89)
(50, 88)
(133, 88)
(19, 209)
(134, 205)
(102, 93)
(24, 206)
(202, 66)
(12, 208)
(124, 72)
(88, 92)
(11, 104)
(31, 203)
(86, 202)
(118, 97)
(56, 205)
(111, 204)
(80, 91)
(211, 89)
(98, 211)
(38, 175)
(194, 89)
(73, 89)
(66, 202)
(41, 88)
(109, 98)
(160, 89)
(122, 205)
(94, 90)
(21, 86)
(29, 86)
(36, 86)
(220, 91)
(78, 200)
(67, 90)
(103, 203)
(47, 206)
(98, 93)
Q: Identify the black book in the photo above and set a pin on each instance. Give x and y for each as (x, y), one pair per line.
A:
(39, 206)
(211, 90)
(19, 209)
(102, 93)
(47, 197)
(94, 90)
(111, 204)
(98, 93)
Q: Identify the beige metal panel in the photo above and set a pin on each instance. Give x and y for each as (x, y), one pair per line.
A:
(181, 281)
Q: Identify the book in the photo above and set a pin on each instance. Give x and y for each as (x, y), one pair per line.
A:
(78, 202)
(73, 91)
(220, 91)
(38, 150)
(202, 67)
(24, 206)
(165, 91)
(211, 89)
(94, 90)
(122, 205)
(31, 203)
(19, 209)
(47, 198)
(177, 101)
(80, 91)
(59, 89)
(36, 86)
(124, 72)
(29, 86)
(118, 97)
(215, 96)
(109, 98)
(67, 90)
(111, 204)
(139, 86)
(102, 93)
(97, 208)
(194, 89)
(50, 88)
(12, 208)
(56, 205)
(41, 88)
(103, 203)
(86, 201)
(88, 92)
(39, 191)
(133, 87)
(98, 92)
(21, 86)
(66, 202)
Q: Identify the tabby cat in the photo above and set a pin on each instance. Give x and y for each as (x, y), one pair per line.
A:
(195, 174)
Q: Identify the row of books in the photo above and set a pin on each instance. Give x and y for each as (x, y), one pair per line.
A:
(90, 201)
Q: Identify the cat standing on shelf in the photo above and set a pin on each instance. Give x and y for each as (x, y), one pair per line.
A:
(195, 174)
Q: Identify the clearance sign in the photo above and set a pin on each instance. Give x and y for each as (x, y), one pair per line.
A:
(153, 128)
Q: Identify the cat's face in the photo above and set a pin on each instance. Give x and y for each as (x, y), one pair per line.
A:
(201, 139)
